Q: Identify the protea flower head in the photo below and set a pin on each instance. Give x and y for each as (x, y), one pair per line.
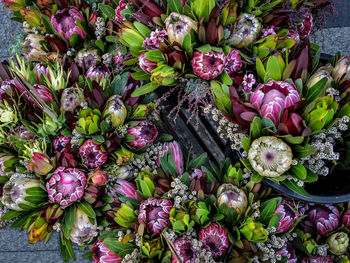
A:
(66, 185)
(60, 143)
(208, 65)
(40, 164)
(143, 134)
(247, 28)
(317, 259)
(322, 72)
(115, 111)
(44, 92)
(270, 156)
(65, 22)
(71, 98)
(185, 251)
(346, 219)
(288, 252)
(83, 231)
(97, 73)
(154, 213)
(304, 28)
(15, 191)
(42, 69)
(87, 58)
(92, 154)
(234, 62)
(338, 243)
(214, 239)
(176, 153)
(273, 97)
(146, 65)
(178, 26)
(124, 188)
(232, 197)
(341, 71)
(32, 48)
(103, 255)
(324, 217)
(289, 214)
(98, 177)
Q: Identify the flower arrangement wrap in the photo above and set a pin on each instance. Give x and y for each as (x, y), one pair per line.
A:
(82, 152)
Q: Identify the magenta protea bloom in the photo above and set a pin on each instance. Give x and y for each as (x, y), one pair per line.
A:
(176, 153)
(289, 214)
(234, 62)
(214, 239)
(144, 133)
(66, 185)
(126, 189)
(42, 69)
(317, 259)
(271, 98)
(208, 65)
(44, 92)
(288, 252)
(118, 16)
(154, 213)
(65, 22)
(324, 217)
(103, 255)
(184, 249)
(97, 72)
(60, 143)
(346, 219)
(305, 27)
(146, 65)
(92, 154)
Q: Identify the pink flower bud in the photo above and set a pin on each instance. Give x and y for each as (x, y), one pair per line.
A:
(98, 177)
(40, 164)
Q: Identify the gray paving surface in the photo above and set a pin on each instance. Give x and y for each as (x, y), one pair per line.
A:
(14, 247)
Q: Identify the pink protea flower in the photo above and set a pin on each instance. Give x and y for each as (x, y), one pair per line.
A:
(273, 97)
(317, 259)
(214, 239)
(144, 133)
(185, 250)
(288, 252)
(146, 65)
(346, 219)
(103, 255)
(234, 62)
(305, 27)
(60, 143)
(92, 154)
(118, 16)
(65, 22)
(176, 153)
(125, 188)
(44, 92)
(42, 69)
(66, 185)
(289, 214)
(154, 213)
(208, 65)
(98, 72)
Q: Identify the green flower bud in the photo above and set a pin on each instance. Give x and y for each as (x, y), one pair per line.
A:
(338, 243)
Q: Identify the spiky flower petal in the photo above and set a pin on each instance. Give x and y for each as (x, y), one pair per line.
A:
(144, 134)
(214, 239)
(208, 65)
(185, 250)
(234, 62)
(103, 255)
(289, 214)
(233, 197)
(92, 154)
(83, 231)
(115, 111)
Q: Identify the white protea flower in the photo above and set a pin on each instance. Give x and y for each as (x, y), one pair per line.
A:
(83, 231)
(270, 156)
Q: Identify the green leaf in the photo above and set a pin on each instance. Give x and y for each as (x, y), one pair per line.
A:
(107, 10)
(144, 30)
(255, 128)
(256, 178)
(198, 162)
(11, 215)
(303, 151)
(295, 188)
(311, 177)
(75, 40)
(154, 55)
(47, 24)
(175, 6)
(246, 142)
(140, 75)
(205, 48)
(273, 68)
(316, 89)
(149, 87)
(36, 191)
(267, 209)
(119, 83)
(87, 209)
(298, 171)
(225, 78)
(187, 44)
(100, 44)
(68, 220)
(118, 247)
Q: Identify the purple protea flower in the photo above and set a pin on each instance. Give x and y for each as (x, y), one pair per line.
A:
(60, 143)
(208, 65)
(234, 62)
(288, 252)
(289, 214)
(154, 213)
(176, 153)
(71, 98)
(214, 239)
(66, 185)
(44, 92)
(103, 255)
(98, 72)
(65, 22)
(144, 133)
(317, 259)
(126, 189)
(325, 218)
(346, 219)
(146, 65)
(42, 69)
(273, 97)
(92, 154)
(185, 250)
